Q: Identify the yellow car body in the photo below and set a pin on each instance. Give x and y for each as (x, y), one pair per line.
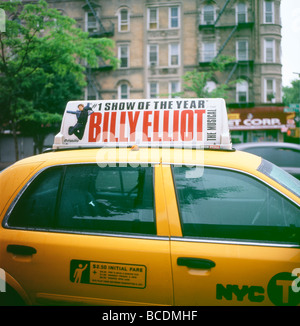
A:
(159, 226)
(242, 271)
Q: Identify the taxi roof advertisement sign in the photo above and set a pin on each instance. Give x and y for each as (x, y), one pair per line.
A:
(182, 123)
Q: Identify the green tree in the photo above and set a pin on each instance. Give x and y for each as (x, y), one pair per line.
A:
(42, 56)
(48, 103)
(291, 94)
(195, 81)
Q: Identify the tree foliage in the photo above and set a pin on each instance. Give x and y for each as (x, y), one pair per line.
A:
(196, 81)
(42, 65)
(291, 94)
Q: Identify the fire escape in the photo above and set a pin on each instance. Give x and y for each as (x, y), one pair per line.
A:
(242, 66)
(96, 29)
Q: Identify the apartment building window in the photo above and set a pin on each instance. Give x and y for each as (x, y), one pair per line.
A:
(91, 22)
(268, 12)
(241, 13)
(208, 17)
(91, 92)
(242, 50)
(123, 91)
(153, 90)
(270, 90)
(153, 18)
(242, 92)
(174, 54)
(174, 89)
(123, 20)
(153, 54)
(210, 86)
(269, 50)
(209, 51)
(124, 56)
(174, 17)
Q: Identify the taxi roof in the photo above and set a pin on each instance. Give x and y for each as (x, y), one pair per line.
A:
(179, 123)
(108, 156)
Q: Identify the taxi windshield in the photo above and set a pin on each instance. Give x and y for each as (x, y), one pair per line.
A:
(280, 176)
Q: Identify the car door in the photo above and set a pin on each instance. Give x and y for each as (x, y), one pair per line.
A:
(85, 234)
(239, 241)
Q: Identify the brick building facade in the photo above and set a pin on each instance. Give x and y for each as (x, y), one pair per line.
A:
(157, 42)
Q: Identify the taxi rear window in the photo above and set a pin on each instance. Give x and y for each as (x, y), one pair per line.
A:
(86, 197)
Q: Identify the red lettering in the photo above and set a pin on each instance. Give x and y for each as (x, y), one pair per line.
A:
(166, 127)
(187, 121)
(176, 125)
(156, 126)
(105, 127)
(95, 129)
(113, 127)
(146, 125)
(133, 123)
(122, 127)
(199, 114)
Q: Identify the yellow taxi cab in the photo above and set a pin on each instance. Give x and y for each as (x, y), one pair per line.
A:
(146, 202)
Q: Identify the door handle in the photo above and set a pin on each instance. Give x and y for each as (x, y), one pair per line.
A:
(21, 250)
(195, 263)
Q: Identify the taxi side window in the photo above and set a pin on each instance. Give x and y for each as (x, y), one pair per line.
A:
(117, 199)
(219, 203)
(36, 207)
(86, 197)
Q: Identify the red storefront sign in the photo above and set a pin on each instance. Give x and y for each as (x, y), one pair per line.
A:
(258, 118)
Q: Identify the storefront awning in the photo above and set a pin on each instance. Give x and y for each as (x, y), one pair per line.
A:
(260, 118)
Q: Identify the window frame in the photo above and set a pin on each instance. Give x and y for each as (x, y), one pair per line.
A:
(267, 91)
(121, 93)
(238, 13)
(156, 21)
(208, 57)
(156, 52)
(19, 196)
(268, 13)
(269, 47)
(205, 11)
(53, 228)
(210, 86)
(177, 17)
(88, 27)
(177, 85)
(223, 240)
(151, 94)
(243, 53)
(174, 54)
(124, 22)
(120, 57)
(239, 89)
(91, 91)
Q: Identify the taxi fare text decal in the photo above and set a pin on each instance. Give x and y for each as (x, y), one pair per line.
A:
(174, 121)
(104, 273)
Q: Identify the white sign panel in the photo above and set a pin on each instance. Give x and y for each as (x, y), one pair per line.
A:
(180, 123)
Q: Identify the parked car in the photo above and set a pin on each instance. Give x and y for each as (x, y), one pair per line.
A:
(148, 225)
(284, 155)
